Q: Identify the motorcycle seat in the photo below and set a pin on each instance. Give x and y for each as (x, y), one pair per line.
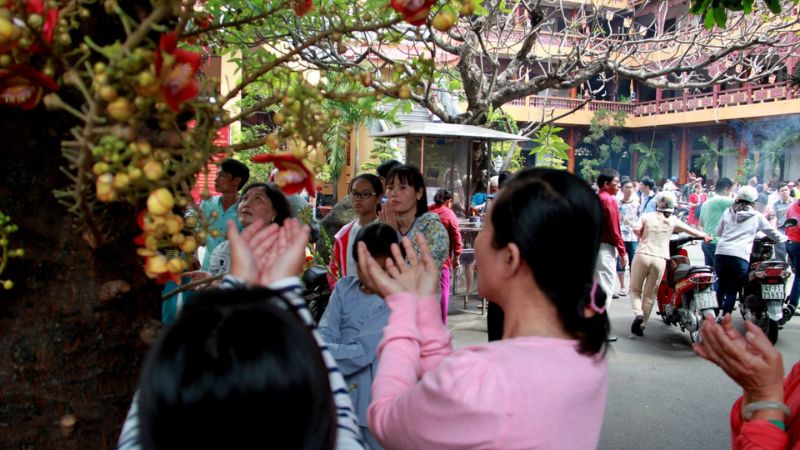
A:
(685, 270)
(672, 266)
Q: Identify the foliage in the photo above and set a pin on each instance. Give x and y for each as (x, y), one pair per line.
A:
(773, 151)
(744, 171)
(147, 118)
(649, 161)
(381, 152)
(348, 117)
(708, 160)
(551, 149)
(605, 146)
(511, 152)
(715, 12)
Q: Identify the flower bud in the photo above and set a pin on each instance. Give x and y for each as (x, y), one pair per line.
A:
(156, 264)
(134, 173)
(175, 265)
(174, 224)
(160, 202)
(153, 170)
(100, 168)
(191, 222)
(120, 109)
(178, 239)
(189, 244)
(121, 181)
(8, 284)
(104, 188)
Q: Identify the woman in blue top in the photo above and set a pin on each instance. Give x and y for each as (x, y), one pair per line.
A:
(353, 322)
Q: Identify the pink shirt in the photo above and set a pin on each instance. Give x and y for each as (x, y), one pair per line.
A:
(522, 393)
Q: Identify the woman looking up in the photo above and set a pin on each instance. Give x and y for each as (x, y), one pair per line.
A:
(365, 194)
(547, 377)
(407, 212)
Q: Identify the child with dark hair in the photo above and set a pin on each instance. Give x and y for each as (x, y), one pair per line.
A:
(353, 322)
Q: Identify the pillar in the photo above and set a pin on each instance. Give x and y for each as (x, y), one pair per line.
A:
(571, 142)
(684, 156)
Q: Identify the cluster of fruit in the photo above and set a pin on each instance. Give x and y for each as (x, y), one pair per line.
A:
(6, 228)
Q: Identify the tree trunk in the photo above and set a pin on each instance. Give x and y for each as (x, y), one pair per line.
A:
(66, 348)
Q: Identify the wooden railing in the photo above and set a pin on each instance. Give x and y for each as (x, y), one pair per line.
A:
(751, 94)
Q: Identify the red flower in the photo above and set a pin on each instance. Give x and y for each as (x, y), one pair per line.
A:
(293, 176)
(302, 7)
(414, 12)
(176, 69)
(50, 17)
(22, 86)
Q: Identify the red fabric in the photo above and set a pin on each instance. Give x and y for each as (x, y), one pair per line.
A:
(761, 434)
(339, 256)
(610, 226)
(692, 219)
(793, 233)
(450, 222)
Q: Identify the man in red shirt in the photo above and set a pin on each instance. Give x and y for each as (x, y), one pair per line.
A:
(793, 252)
(611, 243)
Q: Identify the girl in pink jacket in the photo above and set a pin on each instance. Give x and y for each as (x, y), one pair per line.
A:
(544, 384)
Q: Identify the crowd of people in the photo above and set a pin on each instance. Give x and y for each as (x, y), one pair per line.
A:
(245, 362)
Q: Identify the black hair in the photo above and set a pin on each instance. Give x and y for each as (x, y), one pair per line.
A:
(723, 184)
(236, 368)
(625, 180)
(410, 176)
(647, 181)
(606, 176)
(279, 201)
(502, 178)
(384, 168)
(537, 204)
(237, 169)
(372, 179)
(378, 237)
(442, 195)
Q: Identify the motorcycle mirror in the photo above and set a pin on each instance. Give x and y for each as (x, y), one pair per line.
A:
(790, 223)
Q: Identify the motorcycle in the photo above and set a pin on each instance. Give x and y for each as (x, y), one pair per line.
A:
(686, 292)
(762, 297)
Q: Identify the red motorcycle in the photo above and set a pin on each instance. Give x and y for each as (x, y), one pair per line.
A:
(686, 292)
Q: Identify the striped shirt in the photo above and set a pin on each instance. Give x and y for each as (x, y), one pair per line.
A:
(348, 436)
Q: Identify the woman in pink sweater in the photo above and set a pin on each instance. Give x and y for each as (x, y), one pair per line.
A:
(545, 384)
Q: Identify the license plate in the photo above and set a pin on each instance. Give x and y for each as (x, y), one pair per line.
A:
(705, 300)
(772, 292)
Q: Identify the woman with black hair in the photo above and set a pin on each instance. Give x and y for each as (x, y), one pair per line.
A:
(545, 384)
(365, 193)
(407, 211)
(237, 369)
(443, 207)
(236, 376)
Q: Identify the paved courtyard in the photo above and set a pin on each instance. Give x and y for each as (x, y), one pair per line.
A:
(661, 395)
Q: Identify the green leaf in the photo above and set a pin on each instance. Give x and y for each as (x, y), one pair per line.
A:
(720, 16)
(708, 20)
(774, 6)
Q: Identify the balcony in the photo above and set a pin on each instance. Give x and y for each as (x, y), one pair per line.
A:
(748, 102)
